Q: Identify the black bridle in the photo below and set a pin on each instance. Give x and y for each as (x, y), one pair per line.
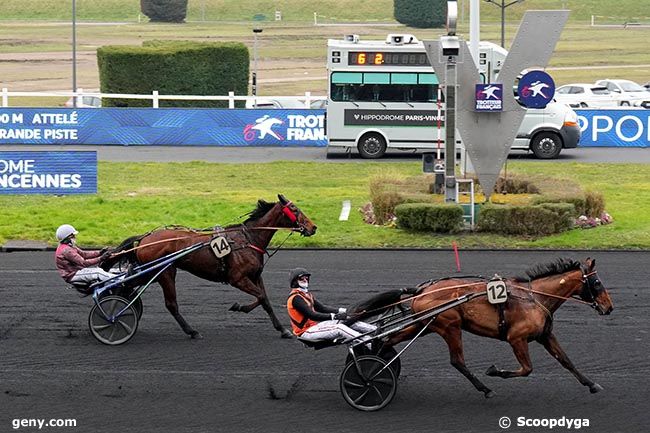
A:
(591, 288)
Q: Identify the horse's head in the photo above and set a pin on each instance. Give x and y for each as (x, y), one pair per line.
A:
(296, 217)
(593, 291)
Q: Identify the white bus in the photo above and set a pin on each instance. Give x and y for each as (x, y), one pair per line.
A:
(384, 95)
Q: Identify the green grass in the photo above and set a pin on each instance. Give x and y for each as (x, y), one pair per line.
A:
(134, 198)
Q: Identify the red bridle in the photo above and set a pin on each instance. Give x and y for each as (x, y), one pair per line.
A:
(289, 214)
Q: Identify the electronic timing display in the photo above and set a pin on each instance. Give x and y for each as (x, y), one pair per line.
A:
(383, 58)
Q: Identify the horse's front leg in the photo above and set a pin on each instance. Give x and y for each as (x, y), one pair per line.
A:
(168, 284)
(520, 348)
(550, 343)
(261, 298)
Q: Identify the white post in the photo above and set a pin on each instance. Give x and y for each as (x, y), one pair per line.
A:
(315, 19)
(5, 97)
(79, 96)
(474, 29)
(155, 99)
(592, 21)
(231, 100)
(307, 99)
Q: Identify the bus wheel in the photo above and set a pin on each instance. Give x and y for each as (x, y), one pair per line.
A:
(546, 145)
(372, 146)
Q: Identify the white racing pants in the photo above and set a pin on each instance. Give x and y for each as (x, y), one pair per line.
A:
(91, 275)
(333, 329)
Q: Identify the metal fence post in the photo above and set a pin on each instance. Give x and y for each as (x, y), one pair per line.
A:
(5, 97)
(155, 99)
(231, 100)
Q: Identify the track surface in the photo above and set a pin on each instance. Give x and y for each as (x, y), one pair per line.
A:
(243, 377)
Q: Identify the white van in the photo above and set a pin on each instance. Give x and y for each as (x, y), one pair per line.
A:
(547, 131)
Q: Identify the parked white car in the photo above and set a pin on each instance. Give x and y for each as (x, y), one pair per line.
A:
(318, 103)
(584, 95)
(86, 102)
(629, 93)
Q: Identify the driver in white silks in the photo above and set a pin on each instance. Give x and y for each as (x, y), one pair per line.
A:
(312, 320)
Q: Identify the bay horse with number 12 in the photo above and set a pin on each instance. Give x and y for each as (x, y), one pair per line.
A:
(528, 314)
(242, 268)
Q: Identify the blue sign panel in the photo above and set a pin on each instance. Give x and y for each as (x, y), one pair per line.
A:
(536, 89)
(489, 97)
(607, 128)
(163, 126)
(48, 172)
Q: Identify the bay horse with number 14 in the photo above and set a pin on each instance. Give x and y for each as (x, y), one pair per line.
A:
(242, 268)
(527, 315)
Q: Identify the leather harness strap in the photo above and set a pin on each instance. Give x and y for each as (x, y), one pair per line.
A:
(503, 325)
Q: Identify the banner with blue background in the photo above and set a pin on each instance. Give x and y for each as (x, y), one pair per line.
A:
(48, 172)
(222, 127)
(163, 126)
(614, 128)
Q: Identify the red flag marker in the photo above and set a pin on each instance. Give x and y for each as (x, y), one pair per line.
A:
(456, 254)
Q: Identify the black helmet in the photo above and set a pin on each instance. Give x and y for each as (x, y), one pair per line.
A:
(295, 274)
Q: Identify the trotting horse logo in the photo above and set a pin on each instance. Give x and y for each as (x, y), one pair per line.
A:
(262, 127)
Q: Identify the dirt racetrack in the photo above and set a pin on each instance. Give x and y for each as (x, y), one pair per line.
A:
(242, 377)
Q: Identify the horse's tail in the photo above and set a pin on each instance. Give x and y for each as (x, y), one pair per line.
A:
(129, 256)
(378, 304)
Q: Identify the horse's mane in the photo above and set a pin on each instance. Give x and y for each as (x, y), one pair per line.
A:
(263, 207)
(558, 266)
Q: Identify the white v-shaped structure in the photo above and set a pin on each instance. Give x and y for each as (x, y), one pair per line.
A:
(488, 136)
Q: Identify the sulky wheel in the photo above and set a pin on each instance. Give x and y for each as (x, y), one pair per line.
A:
(126, 293)
(138, 307)
(109, 329)
(385, 353)
(365, 386)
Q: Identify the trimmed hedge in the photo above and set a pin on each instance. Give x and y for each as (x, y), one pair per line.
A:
(421, 13)
(590, 204)
(164, 11)
(537, 220)
(440, 218)
(173, 68)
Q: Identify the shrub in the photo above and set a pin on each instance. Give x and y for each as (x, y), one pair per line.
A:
(515, 185)
(388, 191)
(440, 218)
(535, 220)
(173, 68)
(566, 215)
(594, 204)
(383, 204)
(421, 13)
(578, 201)
(166, 11)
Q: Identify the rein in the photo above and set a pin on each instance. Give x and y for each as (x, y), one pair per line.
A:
(202, 233)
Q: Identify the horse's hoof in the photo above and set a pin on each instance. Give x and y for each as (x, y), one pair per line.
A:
(595, 388)
(490, 394)
(234, 307)
(492, 371)
(286, 334)
(196, 335)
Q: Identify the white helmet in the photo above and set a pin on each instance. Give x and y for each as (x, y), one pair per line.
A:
(65, 231)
